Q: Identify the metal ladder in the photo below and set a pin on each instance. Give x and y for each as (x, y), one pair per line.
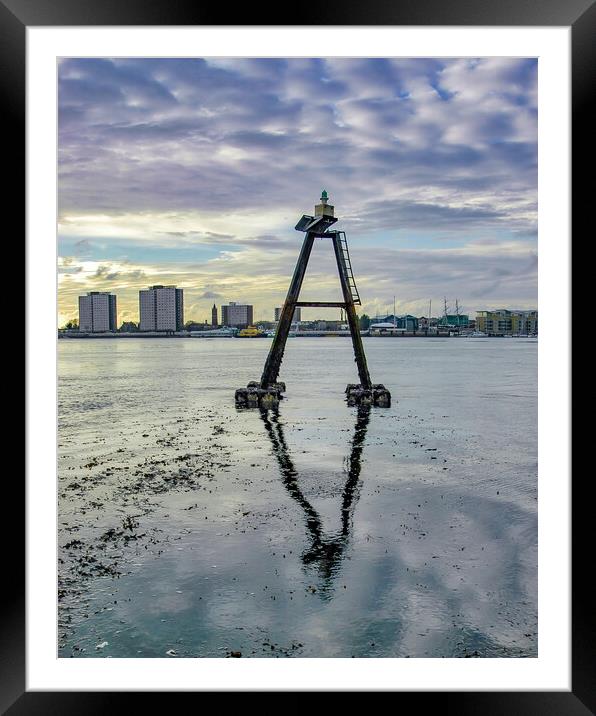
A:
(343, 243)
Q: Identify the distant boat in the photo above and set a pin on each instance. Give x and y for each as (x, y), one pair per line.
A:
(215, 333)
(475, 334)
(251, 332)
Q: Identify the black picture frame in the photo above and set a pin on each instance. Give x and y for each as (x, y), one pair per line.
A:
(580, 15)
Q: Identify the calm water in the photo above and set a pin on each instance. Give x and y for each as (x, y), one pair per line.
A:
(188, 528)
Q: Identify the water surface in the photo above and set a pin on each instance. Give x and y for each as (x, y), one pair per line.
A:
(188, 528)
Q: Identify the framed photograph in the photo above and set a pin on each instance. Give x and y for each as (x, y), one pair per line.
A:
(375, 495)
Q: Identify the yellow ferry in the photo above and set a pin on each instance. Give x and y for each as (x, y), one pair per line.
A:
(251, 332)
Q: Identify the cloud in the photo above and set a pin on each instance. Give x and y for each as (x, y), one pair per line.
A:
(174, 134)
(498, 272)
(167, 155)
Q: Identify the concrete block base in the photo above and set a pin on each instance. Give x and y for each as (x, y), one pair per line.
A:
(253, 396)
(280, 386)
(378, 395)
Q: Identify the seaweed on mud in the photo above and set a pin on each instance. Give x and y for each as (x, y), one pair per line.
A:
(93, 553)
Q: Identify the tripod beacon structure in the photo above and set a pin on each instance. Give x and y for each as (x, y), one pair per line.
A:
(268, 392)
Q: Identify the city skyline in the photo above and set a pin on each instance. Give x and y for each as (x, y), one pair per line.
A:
(165, 305)
(194, 172)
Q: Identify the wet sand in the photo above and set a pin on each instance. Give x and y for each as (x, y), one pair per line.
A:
(188, 528)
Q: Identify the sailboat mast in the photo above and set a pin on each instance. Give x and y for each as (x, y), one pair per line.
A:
(430, 305)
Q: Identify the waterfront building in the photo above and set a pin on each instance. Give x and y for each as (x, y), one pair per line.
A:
(325, 325)
(97, 312)
(295, 318)
(503, 322)
(406, 322)
(266, 325)
(237, 315)
(161, 308)
(214, 316)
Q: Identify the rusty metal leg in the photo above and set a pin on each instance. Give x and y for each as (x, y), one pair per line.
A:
(359, 356)
(273, 362)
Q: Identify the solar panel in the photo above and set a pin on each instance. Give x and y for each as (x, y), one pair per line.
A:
(304, 222)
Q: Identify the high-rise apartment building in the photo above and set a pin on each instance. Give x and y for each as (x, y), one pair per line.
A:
(295, 317)
(237, 315)
(161, 308)
(97, 312)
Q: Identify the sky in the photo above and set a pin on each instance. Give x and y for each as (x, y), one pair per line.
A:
(194, 172)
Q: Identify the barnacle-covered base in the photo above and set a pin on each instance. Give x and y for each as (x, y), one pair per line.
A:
(377, 395)
(254, 396)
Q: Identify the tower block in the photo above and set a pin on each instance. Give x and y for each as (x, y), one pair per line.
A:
(268, 392)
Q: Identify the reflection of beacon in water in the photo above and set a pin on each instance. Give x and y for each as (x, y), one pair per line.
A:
(325, 552)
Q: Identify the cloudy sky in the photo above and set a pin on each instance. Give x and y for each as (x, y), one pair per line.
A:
(194, 172)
